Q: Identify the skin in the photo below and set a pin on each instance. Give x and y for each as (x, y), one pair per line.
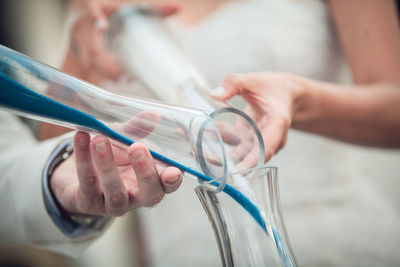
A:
(367, 113)
(87, 57)
(101, 178)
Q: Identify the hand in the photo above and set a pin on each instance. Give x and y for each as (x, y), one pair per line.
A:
(271, 98)
(104, 179)
(88, 57)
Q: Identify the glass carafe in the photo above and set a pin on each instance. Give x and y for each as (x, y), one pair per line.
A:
(241, 240)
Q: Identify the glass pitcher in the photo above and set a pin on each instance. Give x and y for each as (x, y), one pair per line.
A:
(242, 241)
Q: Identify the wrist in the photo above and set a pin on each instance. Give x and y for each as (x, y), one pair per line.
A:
(303, 100)
(71, 225)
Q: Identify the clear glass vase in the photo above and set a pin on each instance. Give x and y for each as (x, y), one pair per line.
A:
(242, 240)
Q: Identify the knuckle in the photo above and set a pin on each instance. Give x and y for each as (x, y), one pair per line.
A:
(92, 52)
(106, 169)
(286, 120)
(269, 154)
(147, 174)
(251, 160)
(153, 200)
(90, 181)
(140, 165)
(82, 153)
(287, 75)
(232, 79)
(105, 163)
(117, 204)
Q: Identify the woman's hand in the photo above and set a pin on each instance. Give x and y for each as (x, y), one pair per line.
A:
(88, 57)
(271, 98)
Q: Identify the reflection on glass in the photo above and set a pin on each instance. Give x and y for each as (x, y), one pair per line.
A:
(241, 239)
(141, 42)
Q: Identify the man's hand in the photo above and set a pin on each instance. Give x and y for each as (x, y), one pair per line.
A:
(101, 178)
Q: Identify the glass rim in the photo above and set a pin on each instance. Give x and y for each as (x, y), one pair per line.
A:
(217, 187)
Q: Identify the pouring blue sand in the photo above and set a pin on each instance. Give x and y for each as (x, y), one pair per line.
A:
(17, 97)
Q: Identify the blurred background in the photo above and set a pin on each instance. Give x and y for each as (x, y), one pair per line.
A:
(37, 28)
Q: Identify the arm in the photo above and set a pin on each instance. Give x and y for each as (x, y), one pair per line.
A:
(367, 113)
(364, 114)
(24, 217)
(98, 179)
(370, 37)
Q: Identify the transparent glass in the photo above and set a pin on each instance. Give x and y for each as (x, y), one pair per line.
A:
(243, 241)
(184, 137)
(141, 42)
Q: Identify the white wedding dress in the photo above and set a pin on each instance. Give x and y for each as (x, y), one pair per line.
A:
(339, 201)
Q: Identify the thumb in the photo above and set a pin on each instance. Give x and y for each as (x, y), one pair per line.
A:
(232, 85)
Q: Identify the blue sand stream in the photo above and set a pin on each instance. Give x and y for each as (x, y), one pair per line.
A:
(17, 97)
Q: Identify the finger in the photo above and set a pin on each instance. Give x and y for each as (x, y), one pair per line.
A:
(181, 132)
(102, 61)
(241, 150)
(150, 188)
(142, 125)
(246, 137)
(120, 153)
(115, 194)
(283, 142)
(171, 179)
(81, 44)
(251, 158)
(166, 9)
(273, 134)
(89, 43)
(240, 139)
(89, 186)
(230, 86)
(228, 134)
(213, 158)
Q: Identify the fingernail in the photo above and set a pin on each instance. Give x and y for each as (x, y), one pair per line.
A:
(138, 155)
(101, 147)
(100, 24)
(217, 91)
(174, 180)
